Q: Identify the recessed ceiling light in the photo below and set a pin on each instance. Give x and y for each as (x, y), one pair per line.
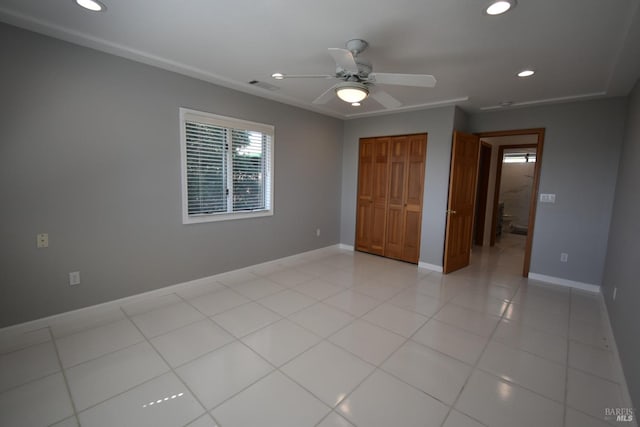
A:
(277, 76)
(526, 73)
(498, 7)
(92, 5)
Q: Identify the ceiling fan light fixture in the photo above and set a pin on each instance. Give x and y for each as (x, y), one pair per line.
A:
(352, 92)
(356, 104)
(92, 5)
(498, 7)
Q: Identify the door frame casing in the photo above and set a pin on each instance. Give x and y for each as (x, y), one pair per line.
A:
(539, 132)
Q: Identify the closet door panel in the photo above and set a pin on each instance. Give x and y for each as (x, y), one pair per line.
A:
(380, 193)
(416, 154)
(378, 229)
(411, 238)
(397, 190)
(363, 225)
(364, 208)
(395, 232)
(397, 170)
(415, 169)
(380, 170)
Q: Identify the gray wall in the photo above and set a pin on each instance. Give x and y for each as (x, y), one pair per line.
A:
(460, 120)
(438, 123)
(89, 153)
(579, 164)
(623, 254)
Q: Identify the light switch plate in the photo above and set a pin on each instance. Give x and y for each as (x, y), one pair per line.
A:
(74, 278)
(547, 198)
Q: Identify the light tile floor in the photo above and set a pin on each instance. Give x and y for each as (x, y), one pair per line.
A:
(329, 339)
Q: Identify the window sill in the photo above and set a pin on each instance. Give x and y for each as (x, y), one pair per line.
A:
(225, 217)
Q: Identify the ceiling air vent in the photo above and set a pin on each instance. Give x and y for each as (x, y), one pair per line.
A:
(263, 85)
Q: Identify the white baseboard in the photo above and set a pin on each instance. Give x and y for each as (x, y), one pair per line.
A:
(431, 267)
(345, 247)
(43, 322)
(565, 282)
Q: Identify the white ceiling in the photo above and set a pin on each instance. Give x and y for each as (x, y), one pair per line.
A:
(580, 48)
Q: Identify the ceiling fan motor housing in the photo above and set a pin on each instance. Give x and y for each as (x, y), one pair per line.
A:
(356, 46)
(364, 69)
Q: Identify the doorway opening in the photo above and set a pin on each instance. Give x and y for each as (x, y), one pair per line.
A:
(473, 209)
(513, 182)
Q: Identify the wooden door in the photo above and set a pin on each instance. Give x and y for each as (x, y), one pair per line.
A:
(406, 183)
(372, 195)
(462, 195)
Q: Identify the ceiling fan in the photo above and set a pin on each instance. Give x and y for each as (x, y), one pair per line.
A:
(357, 79)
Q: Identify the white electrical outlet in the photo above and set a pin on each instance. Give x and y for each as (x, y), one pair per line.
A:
(615, 292)
(564, 257)
(74, 278)
(42, 240)
(317, 232)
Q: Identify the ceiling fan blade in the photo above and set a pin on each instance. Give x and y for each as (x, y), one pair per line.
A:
(418, 80)
(344, 59)
(326, 96)
(303, 76)
(386, 100)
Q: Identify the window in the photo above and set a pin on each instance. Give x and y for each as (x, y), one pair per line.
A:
(519, 158)
(226, 167)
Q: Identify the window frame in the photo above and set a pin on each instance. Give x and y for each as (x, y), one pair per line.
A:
(228, 123)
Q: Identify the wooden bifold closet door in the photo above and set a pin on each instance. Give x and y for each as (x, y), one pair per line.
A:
(390, 188)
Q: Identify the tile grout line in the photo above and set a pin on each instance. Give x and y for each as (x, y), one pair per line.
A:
(379, 366)
(25, 346)
(566, 375)
(171, 370)
(323, 339)
(375, 367)
(128, 389)
(31, 381)
(619, 384)
(149, 379)
(64, 377)
(475, 365)
(275, 368)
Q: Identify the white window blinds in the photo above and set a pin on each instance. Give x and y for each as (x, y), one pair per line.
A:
(227, 167)
(206, 168)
